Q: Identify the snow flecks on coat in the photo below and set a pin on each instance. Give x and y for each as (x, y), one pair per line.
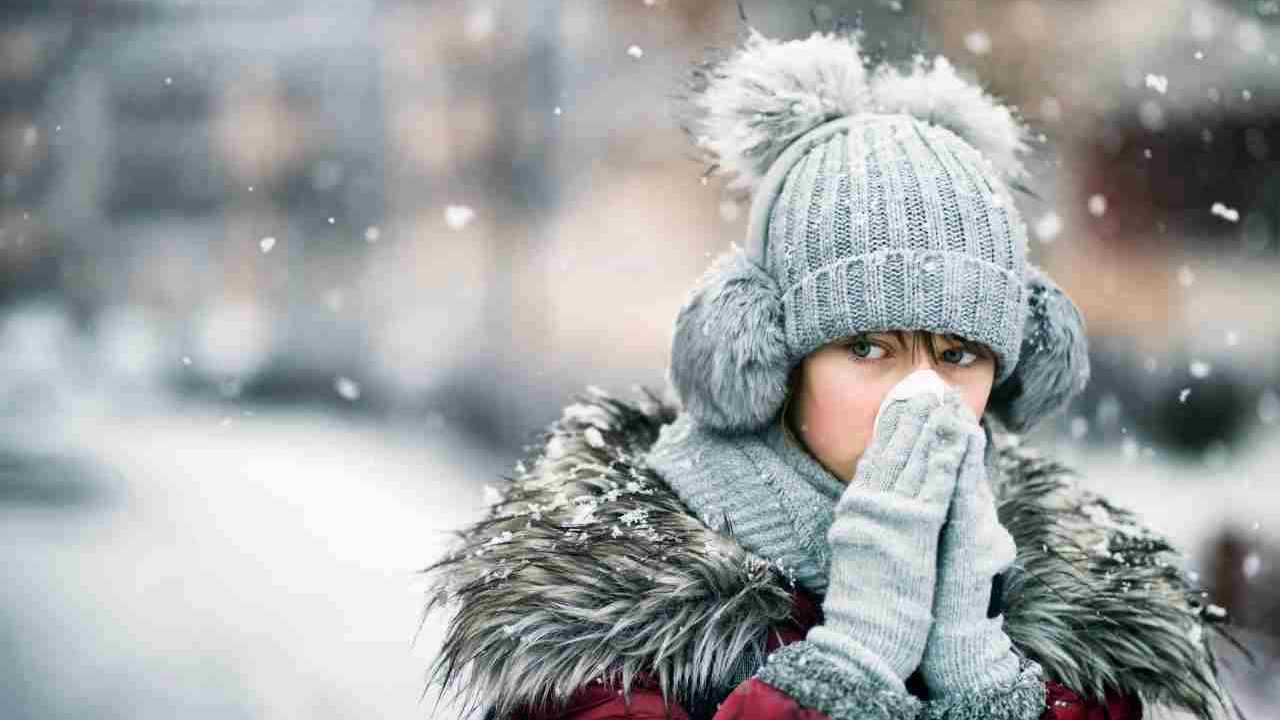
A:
(590, 569)
(606, 576)
(1098, 599)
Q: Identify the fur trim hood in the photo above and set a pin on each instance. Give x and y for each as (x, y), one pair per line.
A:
(590, 567)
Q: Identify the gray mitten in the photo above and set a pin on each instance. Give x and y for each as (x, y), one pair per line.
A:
(879, 602)
(970, 665)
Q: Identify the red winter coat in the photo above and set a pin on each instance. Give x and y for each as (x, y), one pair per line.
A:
(590, 566)
(756, 700)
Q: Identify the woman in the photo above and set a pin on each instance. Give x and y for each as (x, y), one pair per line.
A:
(778, 540)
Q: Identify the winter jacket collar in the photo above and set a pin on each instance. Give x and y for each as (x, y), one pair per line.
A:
(591, 567)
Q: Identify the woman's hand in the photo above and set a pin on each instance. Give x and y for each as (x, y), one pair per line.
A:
(968, 656)
(884, 539)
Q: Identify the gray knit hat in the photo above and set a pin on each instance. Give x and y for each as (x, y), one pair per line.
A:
(880, 201)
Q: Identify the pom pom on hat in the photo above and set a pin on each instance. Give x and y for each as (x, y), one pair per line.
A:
(935, 92)
(750, 106)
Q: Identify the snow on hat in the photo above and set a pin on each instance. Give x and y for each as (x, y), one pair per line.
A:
(880, 201)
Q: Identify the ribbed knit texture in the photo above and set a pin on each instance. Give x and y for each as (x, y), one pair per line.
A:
(780, 503)
(887, 222)
(777, 499)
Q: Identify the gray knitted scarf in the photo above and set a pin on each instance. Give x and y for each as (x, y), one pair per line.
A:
(763, 488)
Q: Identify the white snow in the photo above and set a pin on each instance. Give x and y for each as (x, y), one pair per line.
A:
(1249, 37)
(1097, 205)
(1079, 427)
(492, 495)
(1048, 227)
(635, 51)
(1252, 564)
(1159, 83)
(346, 387)
(593, 437)
(1200, 369)
(458, 216)
(1268, 407)
(1224, 212)
(265, 569)
(266, 244)
(977, 42)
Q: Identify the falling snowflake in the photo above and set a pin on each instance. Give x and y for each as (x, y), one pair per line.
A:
(593, 437)
(334, 299)
(347, 388)
(978, 42)
(492, 495)
(1224, 212)
(1200, 369)
(1159, 83)
(1079, 427)
(1048, 227)
(1098, 205)
(266, 244)
(458, 216)
(635, 51)
(1252, 564)
(634, 517)
(1184, 394)
(1269, 407)
(372, 233)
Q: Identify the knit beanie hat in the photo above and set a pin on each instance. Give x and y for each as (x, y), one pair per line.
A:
(880, 200)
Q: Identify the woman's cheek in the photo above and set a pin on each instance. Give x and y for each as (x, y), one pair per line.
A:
(845, 434)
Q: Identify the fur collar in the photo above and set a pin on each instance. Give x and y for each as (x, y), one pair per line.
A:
(590, 567)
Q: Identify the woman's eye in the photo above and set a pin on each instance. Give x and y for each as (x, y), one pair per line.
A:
(863, 350)
(958, 356)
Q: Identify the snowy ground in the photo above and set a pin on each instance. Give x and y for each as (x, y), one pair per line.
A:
(257, 569)
(261, 566)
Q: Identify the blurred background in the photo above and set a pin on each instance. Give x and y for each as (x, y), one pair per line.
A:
(284, 285)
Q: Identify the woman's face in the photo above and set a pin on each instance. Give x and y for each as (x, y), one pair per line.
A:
(839, 387)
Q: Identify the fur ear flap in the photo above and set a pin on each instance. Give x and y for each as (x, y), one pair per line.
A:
(1053, 363)
(728, 355)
